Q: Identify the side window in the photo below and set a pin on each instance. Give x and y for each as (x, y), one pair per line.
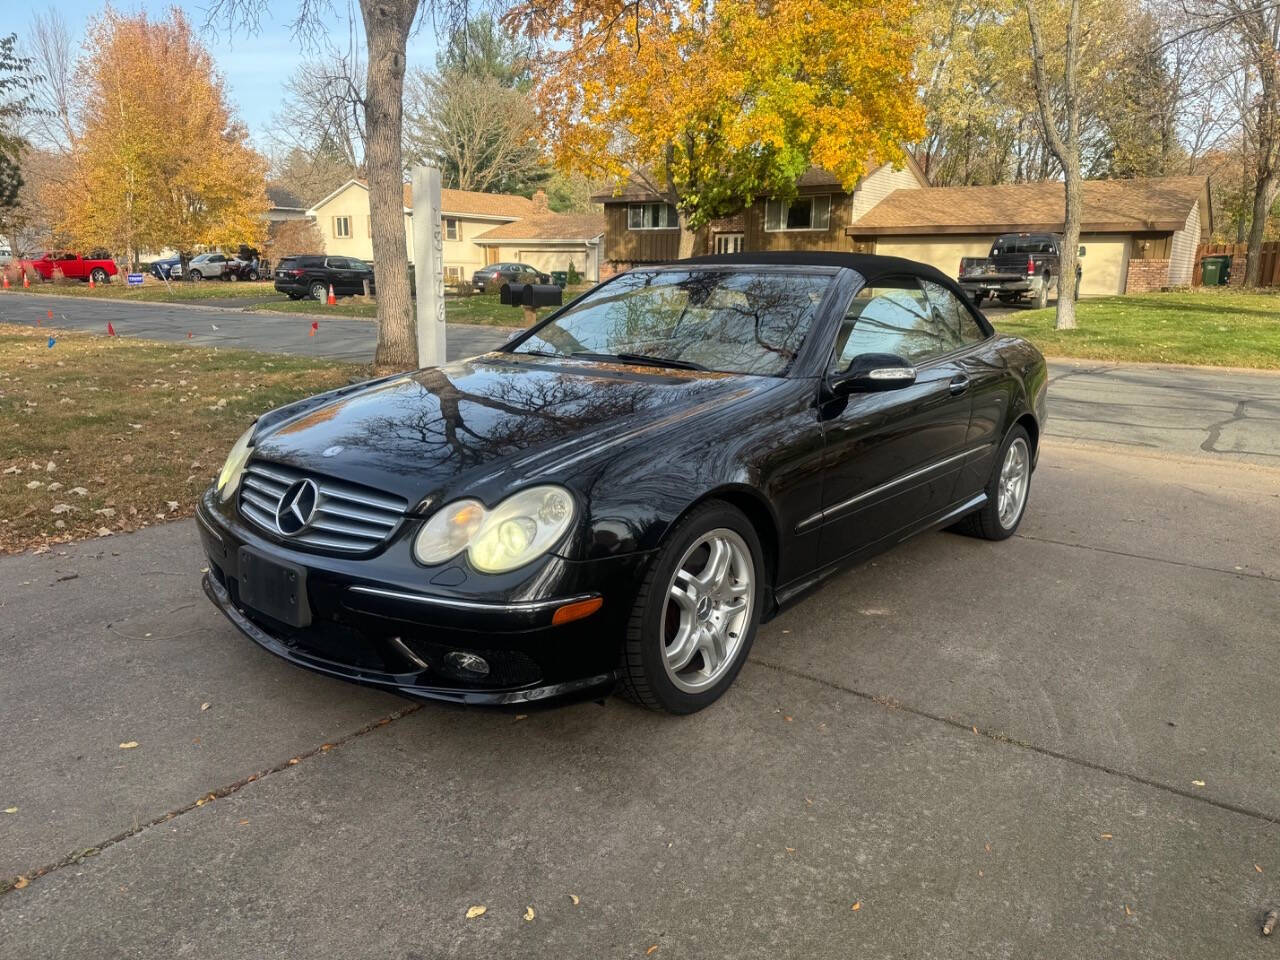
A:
(953, 315)
(893, 316)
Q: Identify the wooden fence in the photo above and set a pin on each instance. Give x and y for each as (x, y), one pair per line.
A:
(1268, 276)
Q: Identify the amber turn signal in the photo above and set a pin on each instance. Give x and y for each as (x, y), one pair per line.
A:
(576, 610)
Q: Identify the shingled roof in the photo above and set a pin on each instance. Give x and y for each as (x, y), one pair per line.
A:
(1109, 206)
(569, 227)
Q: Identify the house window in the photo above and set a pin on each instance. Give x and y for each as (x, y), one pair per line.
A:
(802, 213)
(451, 229)
(453, 274)
(342, 227)
(728, 243)
(652, 216)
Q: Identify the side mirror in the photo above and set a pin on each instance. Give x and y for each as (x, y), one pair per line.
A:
(871, 372)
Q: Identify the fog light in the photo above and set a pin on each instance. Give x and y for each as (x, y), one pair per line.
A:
(467, 662)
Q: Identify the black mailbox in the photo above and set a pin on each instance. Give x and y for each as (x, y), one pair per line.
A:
(531, 295)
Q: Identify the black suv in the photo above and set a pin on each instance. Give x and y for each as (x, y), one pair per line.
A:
(311, 276)
(497, 274)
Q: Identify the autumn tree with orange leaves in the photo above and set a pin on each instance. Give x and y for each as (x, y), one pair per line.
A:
(713, 104)
(158, 158)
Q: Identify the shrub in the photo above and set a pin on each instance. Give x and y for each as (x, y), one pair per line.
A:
(573, 279)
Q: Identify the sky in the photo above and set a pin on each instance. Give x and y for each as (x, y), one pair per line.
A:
(255, 67)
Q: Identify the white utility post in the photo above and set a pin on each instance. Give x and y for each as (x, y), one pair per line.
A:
(428, 263)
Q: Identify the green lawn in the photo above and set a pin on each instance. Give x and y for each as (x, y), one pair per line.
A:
(1211, 327)
(481, 309)
(152, 290)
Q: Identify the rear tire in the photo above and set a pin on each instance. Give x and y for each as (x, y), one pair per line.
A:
(98, 275)
(1041, 297)
(695, 613)
(1007, 491)
(319, 292)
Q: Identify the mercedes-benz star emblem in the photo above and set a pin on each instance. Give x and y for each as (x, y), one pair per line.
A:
(297, 507)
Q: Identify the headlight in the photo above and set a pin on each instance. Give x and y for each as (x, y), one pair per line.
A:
(519, 529)
(229, 478)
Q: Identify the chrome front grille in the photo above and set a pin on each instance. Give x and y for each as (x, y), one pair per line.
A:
(348, 518)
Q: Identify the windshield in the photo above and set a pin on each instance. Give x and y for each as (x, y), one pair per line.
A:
(736, 321)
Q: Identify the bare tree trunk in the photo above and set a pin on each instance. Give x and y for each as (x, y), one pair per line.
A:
(1065, 149)
(1266, 184)
(693, 242)
(386, 25)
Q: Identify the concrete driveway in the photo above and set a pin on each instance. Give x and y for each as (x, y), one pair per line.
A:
(1059, 746)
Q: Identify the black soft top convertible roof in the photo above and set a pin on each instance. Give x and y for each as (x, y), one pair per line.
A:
(872, 266)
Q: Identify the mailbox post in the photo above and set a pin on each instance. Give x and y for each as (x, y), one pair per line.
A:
(530, 296)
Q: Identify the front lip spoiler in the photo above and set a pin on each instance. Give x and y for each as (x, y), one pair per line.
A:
(404, 684)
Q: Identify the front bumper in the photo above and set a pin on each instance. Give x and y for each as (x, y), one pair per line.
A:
(368, 626)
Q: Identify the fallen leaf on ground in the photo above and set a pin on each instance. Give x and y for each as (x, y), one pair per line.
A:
(975, 729)
(476, 911)
(1255, 866)
(789, 849)
(1104, 836)
(856, 906)
(128, 744)
(574, 898)
(243, 822)
(20, 883)
(1197, 783)
(293, 761)
(204, 707)
(529, 914)
(1127, 911)
(651, 949)
(788, 719)
(15, 810)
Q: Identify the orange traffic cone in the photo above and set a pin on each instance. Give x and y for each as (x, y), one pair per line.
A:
(6, 281)
(332, 299)
(26, 284)
(91, 281)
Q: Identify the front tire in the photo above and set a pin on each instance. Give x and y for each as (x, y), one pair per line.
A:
(1007, 491)
(195, 276)
(695, 613)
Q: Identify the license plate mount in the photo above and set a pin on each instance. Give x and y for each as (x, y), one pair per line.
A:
(274, 587)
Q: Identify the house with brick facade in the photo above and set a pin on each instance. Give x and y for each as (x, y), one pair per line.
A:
(1137, 235)
(641, 226)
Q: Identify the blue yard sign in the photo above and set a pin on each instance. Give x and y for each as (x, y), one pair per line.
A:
(135, 279)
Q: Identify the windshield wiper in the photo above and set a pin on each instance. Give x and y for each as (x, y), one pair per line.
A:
(641, 358)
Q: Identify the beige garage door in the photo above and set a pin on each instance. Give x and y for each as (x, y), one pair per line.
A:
(548, 260)
(1104, 266)
(941, 252)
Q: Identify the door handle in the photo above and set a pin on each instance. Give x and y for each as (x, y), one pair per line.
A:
(959, 384)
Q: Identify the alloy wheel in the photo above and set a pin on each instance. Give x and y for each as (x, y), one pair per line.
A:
(1011, 492)
(708, 609)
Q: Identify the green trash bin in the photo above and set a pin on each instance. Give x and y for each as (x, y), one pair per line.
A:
(1214, 271)
(560, 278)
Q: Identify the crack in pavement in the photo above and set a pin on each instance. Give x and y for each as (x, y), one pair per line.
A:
(1143, 556)
(10, 884)
(891, 703)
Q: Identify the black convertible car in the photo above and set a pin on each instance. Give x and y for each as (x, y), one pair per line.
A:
(622, 493)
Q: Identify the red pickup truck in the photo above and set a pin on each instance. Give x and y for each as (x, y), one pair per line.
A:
(73, 267)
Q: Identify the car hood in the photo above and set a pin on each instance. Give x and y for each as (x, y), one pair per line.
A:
(483, 425)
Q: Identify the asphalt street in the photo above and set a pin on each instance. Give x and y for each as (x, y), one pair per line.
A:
(1063, 745)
